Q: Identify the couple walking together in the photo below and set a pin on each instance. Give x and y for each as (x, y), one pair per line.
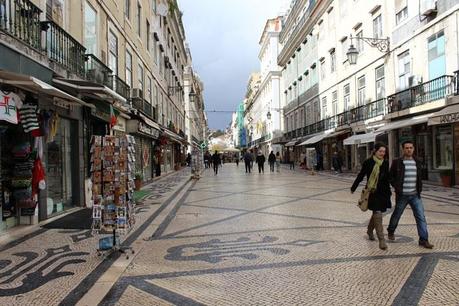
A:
(405, 176)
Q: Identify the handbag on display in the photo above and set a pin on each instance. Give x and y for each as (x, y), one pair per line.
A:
(363, 201)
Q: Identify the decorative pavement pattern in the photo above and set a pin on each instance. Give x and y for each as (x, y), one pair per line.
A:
(286, 238)
(290, 238)
(47, 266)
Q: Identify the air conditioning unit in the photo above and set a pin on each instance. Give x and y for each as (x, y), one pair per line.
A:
(136, 93)
(428, 7)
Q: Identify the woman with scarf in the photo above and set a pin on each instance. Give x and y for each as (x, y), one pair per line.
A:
(376, 169)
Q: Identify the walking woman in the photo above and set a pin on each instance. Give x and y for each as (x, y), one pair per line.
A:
(376, 169)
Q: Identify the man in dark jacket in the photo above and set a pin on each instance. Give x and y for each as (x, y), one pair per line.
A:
(406, 178)
(261, 162)
(271, 161)
(216, 160)
(248, 162)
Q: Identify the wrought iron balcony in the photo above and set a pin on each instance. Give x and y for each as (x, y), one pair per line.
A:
(65, 50)
(421, 94)
(137, 103)
(155, 114)
(21, 19)
(147, 109)
(367, 111)
(97, 72)
(119, 86)
(456, 82)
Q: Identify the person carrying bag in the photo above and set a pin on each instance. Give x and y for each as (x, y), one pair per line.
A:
(376, 195)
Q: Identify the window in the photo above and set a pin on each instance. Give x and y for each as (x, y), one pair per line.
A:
(322, 69)
(402, 15)
(437, 61)
(156, 97)
(324, 108)
(149, 89)
(139, 18)
(377, 27)
(335, 103)
(129, 69)
(361, 91)
(140, 77)
(153, 6)
(380, 86)
(90, 29)
(347, 96)
(360, 47)
(345, 47)
(127, 8)
(332, 61)
(148, 36)
(113, 52)
(403, 70)
(443, 148)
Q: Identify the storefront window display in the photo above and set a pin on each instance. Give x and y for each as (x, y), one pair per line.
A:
(59, 167)
(443, 147)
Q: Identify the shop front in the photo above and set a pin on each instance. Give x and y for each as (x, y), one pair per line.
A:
(145, 134)
(42, 165)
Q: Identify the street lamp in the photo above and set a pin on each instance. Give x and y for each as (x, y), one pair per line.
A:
(192, 95)
(268, 115)
(382, 44)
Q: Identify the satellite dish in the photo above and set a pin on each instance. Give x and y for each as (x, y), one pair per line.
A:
(163, 9)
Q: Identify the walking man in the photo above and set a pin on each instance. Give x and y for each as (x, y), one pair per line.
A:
(271, 161)
(405, 177)
(216, 161)
(248, 162)
(261, 162)
(278, 160)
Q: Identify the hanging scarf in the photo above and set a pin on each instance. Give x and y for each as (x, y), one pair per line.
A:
(373, 180)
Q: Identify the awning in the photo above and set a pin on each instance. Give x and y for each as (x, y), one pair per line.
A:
(173, 136)
(315, 139)
(361, 138)
(449, 114)
(92, 88)
(291, 143)
(393, 125)
(148, 121)
(32, 84)
(337, 133)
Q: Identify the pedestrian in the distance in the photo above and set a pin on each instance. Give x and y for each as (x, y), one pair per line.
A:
(278, 160)
(248, 162)
(406, 178)
(206, 159)
(271, 161)
(236, 157)
(376, 169)
(292, 162)
(188, 159)
(261, 162)
(216, 161)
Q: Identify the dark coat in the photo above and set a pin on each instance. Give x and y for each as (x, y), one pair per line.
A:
(261, 159)
(397, 176)
(272, 158)
(380, 199)
(216, 158)
(248, 157)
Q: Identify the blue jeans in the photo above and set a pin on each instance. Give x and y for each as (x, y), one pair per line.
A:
(415, 203)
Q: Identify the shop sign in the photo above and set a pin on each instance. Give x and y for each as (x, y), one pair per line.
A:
(449, 118)
(143, 128)
(100, 114)
(120, 125)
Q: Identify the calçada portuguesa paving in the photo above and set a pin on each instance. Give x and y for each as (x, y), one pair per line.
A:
(288, 238)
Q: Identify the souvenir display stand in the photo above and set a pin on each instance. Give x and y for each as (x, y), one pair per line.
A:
(112, 174)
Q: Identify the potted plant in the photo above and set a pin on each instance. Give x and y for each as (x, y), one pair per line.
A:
(446, 175)
(138, 180)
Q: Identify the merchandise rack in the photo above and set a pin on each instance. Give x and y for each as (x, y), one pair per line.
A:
(112, 174)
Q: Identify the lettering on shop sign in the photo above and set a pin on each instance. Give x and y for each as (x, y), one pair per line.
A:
(148, 130)
(454, 117)
(120, 125)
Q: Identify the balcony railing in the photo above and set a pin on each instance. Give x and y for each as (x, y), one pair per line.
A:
(456, 82)
(421, 94)
(119, 86)
(21, 19)
(97, 72)
(137, 103)
(64, 49)
(367, 111)
(147, 109)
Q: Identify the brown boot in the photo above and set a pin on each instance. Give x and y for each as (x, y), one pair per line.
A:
(370, 228)
(377, 217)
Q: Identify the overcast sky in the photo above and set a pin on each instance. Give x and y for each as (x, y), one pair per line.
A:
(223, 36)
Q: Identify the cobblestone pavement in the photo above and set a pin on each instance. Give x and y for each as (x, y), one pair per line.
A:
(289, 238)
(53, 266)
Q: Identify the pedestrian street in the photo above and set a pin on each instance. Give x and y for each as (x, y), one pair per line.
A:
(289, 238)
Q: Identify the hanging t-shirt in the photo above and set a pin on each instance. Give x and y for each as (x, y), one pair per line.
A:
(28, 116)
(9, 105)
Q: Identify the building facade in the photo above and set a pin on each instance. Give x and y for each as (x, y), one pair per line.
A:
(89, 68)
(387, 92)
